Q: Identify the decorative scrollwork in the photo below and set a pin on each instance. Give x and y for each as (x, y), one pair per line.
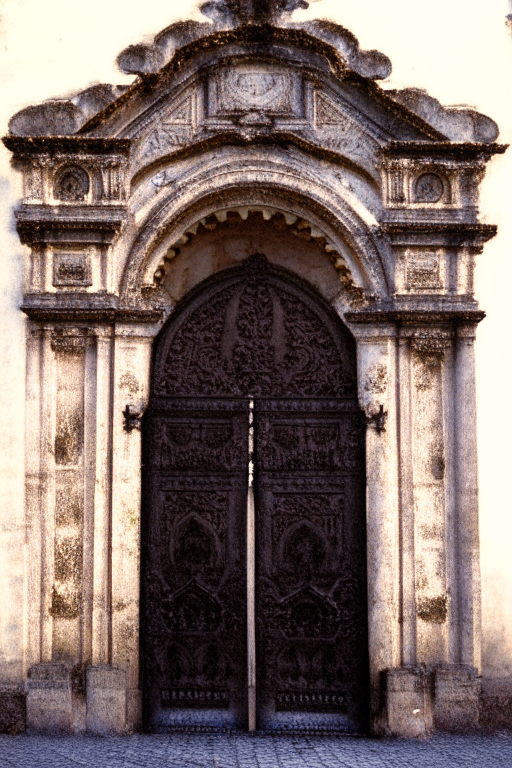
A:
(253, 337)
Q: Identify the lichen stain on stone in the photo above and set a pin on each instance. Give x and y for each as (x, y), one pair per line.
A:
(431, 532)
(68, 506)
(69, 438)
(65, 605)
(132, 517)
(377, 380)
(128, 632)
(68, 560)
(129, 382)
(427, 369)
(437, 464)
(433, 609)
(421, 577)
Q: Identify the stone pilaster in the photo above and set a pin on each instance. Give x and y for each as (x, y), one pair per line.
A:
(466, 474)
(131, 388)
(429, 489)
(376, 350)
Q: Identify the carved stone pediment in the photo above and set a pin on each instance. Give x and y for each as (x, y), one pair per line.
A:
(282, 110)
(251, 99)
(170, 127)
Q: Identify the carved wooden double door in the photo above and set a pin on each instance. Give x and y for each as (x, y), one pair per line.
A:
(254, 601)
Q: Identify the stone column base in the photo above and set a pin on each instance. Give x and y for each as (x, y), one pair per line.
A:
(408, 703)
(457, 697)
(106, 700)
(49, 699)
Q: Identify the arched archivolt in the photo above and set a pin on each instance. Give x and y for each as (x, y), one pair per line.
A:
(346, 230)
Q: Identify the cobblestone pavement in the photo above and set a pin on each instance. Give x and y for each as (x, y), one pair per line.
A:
(246, 751)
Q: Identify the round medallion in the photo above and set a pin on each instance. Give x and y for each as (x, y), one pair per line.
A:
(72, 184)
(429, 188)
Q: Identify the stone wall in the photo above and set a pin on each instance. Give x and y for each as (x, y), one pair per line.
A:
(76, 374)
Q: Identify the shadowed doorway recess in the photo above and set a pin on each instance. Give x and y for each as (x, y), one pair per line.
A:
(257, 337)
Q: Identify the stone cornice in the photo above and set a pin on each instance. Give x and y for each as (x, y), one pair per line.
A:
(72, 215)
(83, 307)
(265, 35)
(36, 223)
(21, 146)
(411, 316)
(454, 233)
(488, 230)
(445, 149)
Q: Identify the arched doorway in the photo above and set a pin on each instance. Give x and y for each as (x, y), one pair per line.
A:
(254, 613)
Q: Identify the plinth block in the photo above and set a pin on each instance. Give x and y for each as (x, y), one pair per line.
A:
(106, 700)
(408, 705)
(49, 699)
(457, 697)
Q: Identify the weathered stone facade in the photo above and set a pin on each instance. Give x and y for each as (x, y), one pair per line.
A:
(256, 134)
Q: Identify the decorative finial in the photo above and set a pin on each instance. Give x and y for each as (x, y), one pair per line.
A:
(240, 12)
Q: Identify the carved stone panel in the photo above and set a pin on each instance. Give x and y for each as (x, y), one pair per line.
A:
(252, 334)
(422, 271)
(338, 130)
(173, 129)
(71, 269)
(194, 569)
(311, 579)
(256, 88)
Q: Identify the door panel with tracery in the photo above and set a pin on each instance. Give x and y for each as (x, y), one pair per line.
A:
(311, 581)
(254, 333)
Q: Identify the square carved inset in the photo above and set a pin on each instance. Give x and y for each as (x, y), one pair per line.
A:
(71, 269)
(424, 272)
(252, 88)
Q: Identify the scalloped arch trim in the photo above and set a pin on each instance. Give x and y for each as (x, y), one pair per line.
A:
(296, 225)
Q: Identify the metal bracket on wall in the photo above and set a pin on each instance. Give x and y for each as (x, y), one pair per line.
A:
(378, 419)
(132, 418)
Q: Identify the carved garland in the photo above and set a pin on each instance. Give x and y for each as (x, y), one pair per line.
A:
(431, 343)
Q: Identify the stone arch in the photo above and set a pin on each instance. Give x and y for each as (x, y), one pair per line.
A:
(226, 221)
(349, 229)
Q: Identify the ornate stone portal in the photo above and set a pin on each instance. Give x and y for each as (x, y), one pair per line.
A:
(252, 133)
